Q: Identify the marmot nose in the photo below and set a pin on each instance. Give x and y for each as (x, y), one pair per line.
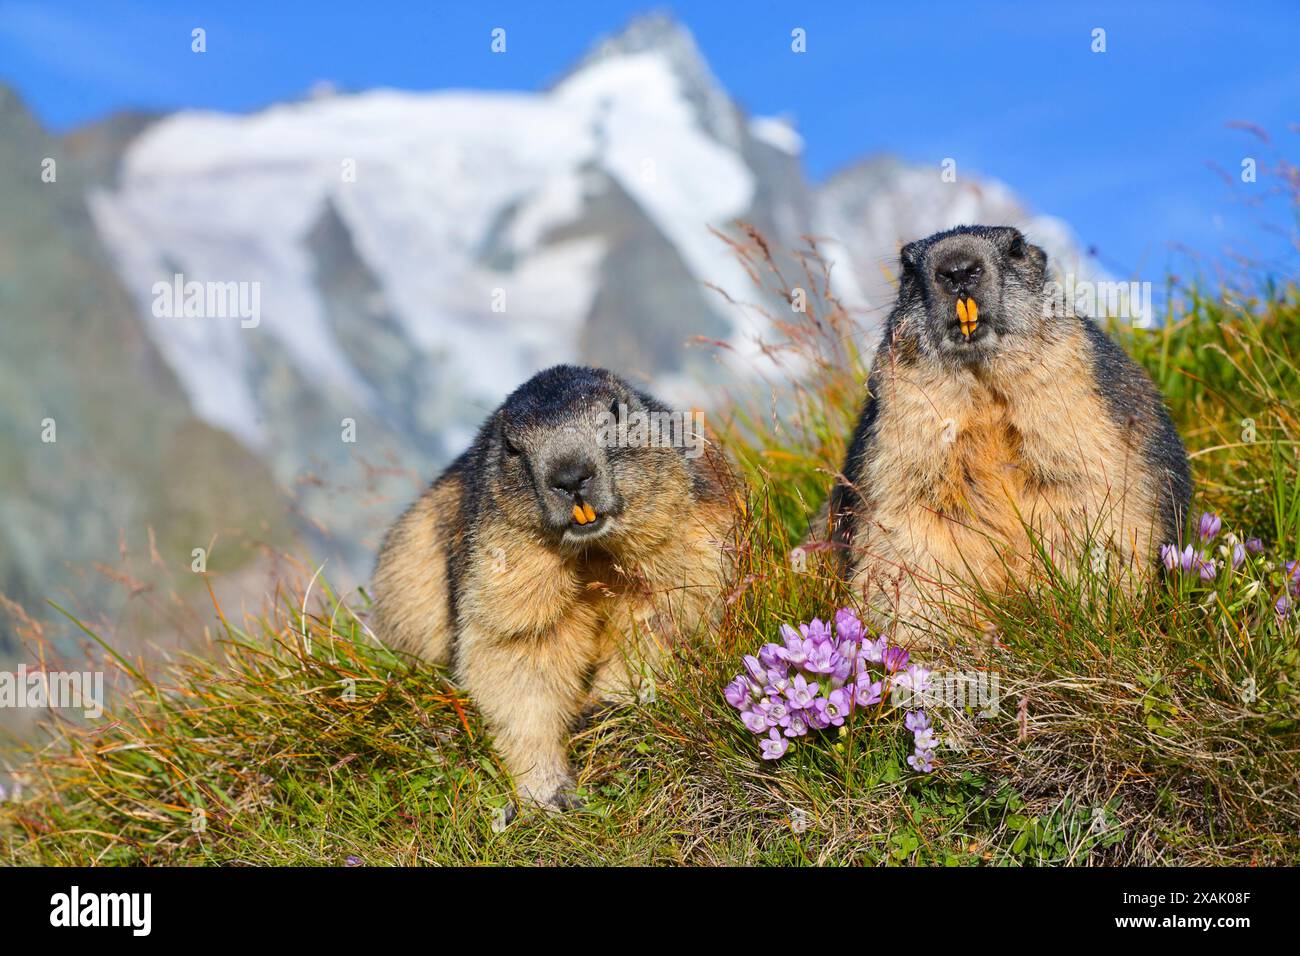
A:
(960, 274)
(571, 477)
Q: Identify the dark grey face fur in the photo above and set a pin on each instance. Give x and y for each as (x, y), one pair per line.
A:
(564, 465)
(992, 265)
(551, 438)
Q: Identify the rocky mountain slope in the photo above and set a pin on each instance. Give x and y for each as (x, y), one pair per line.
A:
(98, 443)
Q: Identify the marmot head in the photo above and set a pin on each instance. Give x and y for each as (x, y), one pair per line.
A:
(567, 466)
(966, 293)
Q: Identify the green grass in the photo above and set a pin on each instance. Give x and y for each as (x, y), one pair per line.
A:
(1155, 729)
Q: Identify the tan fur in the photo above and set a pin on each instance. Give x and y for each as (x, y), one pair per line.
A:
(410, 579)
(971, 463)
(544, 634)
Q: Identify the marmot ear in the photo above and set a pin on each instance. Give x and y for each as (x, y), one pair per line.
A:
(636, 400)
(910, 255)
(507, 445)
(617, 405)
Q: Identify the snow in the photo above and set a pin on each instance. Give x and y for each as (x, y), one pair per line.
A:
(232, 198)
(778, 133)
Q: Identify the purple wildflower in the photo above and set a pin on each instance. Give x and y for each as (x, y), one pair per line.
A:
(772, 656)
(843, 668)
(874, 651)
(1169, 555)
(1283, 606)
(895, 659)
(915, 679)
(757, 672)
(795, 725)
(816, 715)
(754, 721)
(924, 739)
(922, 761)
(821, 659)
(800, 693)
(775, 746)
(915, 720)
(848, 627)
(866, 692)
(739, 693)
(838, 706)
(1209, 526)
(1187, 560)
(796, 648)
(1207, 568)
(763, 709)
(1238, 556)
(776, 687)
(777, 711)
(1254, 546)
(816, 630)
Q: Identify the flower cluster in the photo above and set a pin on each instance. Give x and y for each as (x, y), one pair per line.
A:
(1201, 561)
(923, 741)
(818, 677)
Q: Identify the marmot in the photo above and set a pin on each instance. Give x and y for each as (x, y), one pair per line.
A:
(548, 562)
(997, 422)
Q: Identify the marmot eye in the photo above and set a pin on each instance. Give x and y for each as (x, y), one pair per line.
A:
(511, 450)
(614, 410)
(1017, 250)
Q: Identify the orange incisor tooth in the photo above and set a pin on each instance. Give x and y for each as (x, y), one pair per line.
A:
(589, 511)
(973, 311)
(961, 311)
(579, 515)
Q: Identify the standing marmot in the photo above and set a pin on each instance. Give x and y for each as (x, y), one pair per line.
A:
(551, 559)
(996, 422)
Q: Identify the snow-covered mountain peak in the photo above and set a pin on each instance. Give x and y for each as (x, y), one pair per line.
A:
(482, 219)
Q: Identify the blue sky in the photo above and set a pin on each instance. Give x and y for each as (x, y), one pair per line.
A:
(1121, 144)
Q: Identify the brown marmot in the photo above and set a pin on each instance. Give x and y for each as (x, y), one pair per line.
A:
(584, 528)
(997, 422)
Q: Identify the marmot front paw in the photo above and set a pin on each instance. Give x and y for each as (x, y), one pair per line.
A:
(553, 794)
